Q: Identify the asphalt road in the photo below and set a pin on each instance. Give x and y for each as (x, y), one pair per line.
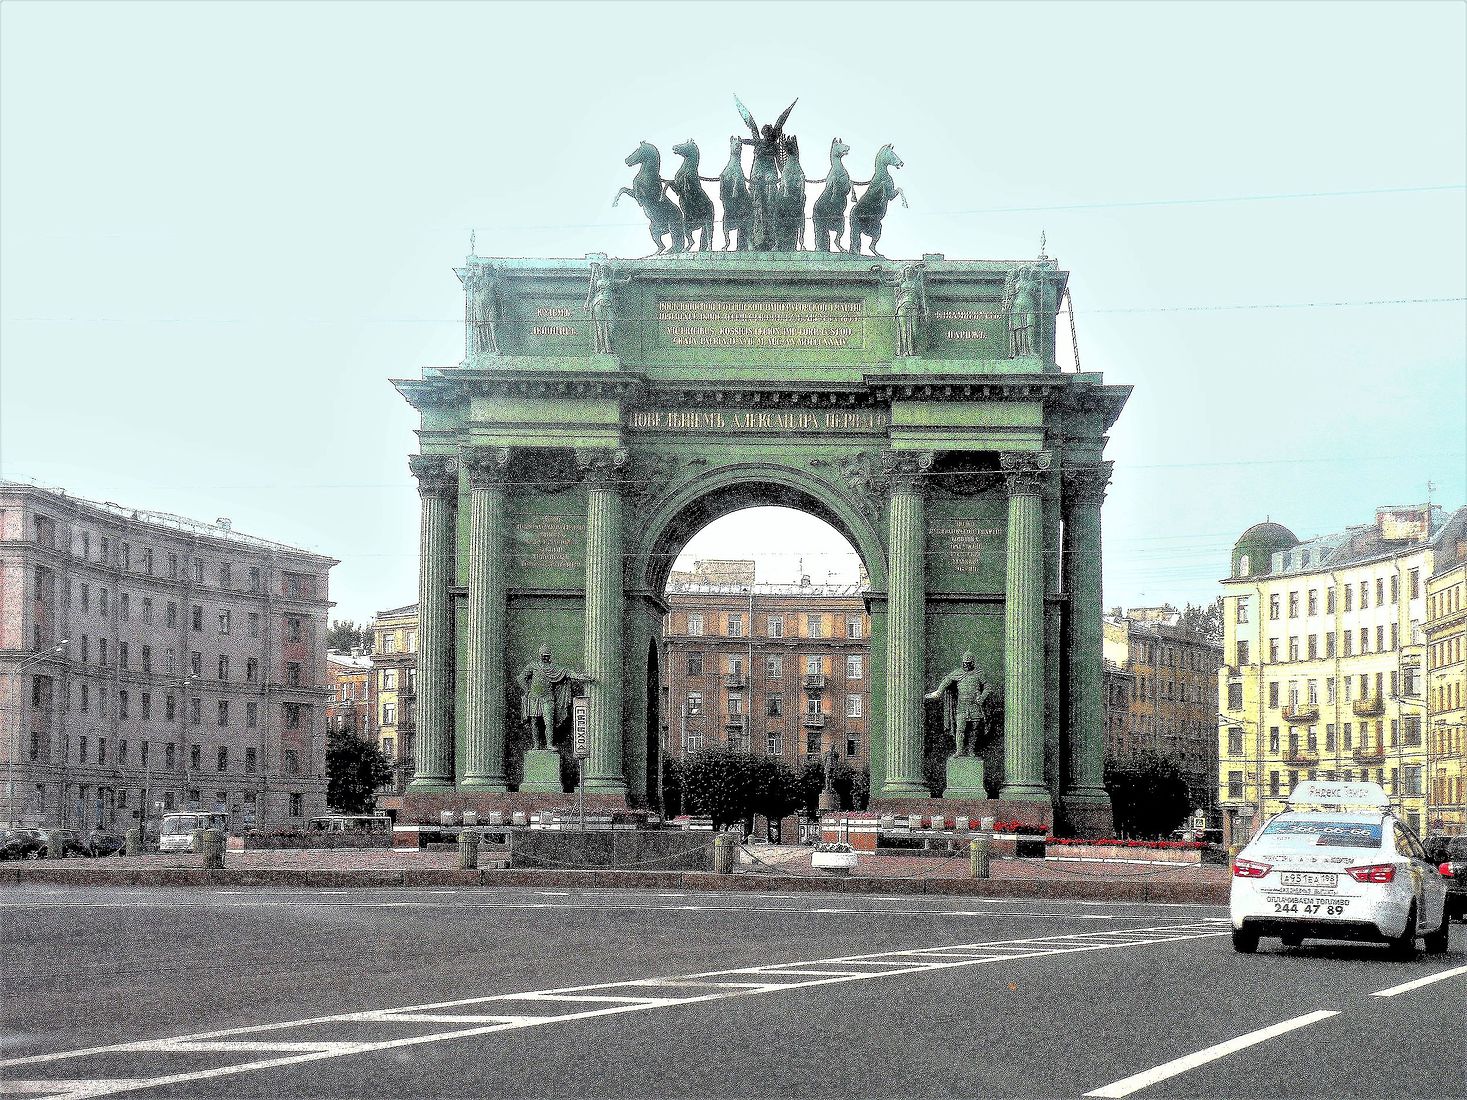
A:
(510, 993)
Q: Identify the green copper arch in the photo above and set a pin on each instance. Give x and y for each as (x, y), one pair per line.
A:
(726, 489)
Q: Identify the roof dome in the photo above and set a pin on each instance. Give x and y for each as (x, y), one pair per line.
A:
(1254, 550)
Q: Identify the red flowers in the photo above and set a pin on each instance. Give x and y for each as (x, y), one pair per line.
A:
(1019, 827)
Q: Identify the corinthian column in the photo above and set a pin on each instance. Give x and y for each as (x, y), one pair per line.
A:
(1085, 778)
(906, 635)
(433, 752)
(603, 771)
(1023, 714)
(484, 721)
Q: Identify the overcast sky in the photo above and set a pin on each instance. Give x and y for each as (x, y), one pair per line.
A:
(224, 227)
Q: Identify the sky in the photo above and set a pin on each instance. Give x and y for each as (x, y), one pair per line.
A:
(224, 227)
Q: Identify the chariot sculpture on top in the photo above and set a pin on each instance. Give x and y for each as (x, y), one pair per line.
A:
(765, 210)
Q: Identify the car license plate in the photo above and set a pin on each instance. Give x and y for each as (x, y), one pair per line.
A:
(1307, 878)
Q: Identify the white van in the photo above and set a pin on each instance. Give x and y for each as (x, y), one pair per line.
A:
(178, 828)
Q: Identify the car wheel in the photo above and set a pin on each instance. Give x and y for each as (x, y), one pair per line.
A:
(1436, 942)
(1244, 941)
(1404, 945)
(1292, 939)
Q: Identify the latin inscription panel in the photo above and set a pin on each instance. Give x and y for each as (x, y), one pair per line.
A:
(759, 323)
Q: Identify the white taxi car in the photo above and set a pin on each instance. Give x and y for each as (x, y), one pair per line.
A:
(1337, 865)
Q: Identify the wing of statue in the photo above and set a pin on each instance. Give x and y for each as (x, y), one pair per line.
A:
(748, 118)
(779, 126)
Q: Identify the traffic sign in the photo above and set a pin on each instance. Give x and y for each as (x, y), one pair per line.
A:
(580, 723)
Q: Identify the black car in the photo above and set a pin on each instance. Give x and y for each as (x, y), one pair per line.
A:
(102, 843)
(1450, 853)
(21, 844)
(72, 843)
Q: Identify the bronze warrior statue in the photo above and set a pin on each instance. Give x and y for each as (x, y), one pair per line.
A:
(545, 695)
(768, 145)
(964, 695)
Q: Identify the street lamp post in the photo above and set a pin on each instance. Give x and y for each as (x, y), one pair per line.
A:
(45, 654)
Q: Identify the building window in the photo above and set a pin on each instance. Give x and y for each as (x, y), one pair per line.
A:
(223, 761)
(389, 714)
(254, 579)
(148, 560)
(295, 805)
(223, 668)
(169, 757)
(198, 570)
(122, 655)
(1293, 605)
(695, 702)
(853, 705)
(774, 626)
(252, 669)
(695, 664)
(1242, 653)
(735, 704)
(1413, 583)
(292, 674)
(1314, 601)
(813, 666)
(773, 668)
(853, 626)
(772, 744)
(195, 711)
(1274, 605)
(224, 622)
(695, 624)
(1294, 648)
(853, 744)
(254, 625)
(195, 754)
(1273, 651)
(814, 626)
(292, 628)
(1235, 741)
(1273, 739)
(196, 664)
(124, 606)
(774, 706)
(389, 679)
(735, 625)
(389, 748)
(1273, 693)
(290, 762)
(1235, 696)
(122, 705)
(224, 712)
(1241, 604)
(197, 617)
(252, 715)
(854, 666)
(812, 744)
(224, 575)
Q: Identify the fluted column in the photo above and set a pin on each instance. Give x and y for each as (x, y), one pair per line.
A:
(488, 624)
(1023, 723)
(1084, 493)
(906, 635)
(433, 752)
(603, 772)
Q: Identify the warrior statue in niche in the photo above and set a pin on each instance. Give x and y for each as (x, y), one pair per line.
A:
(545, 693)
(911, 308)
(601, 306)
(965, 699)
(482, 299)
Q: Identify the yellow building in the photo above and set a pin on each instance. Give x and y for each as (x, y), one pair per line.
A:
(1446, 682)
(1324, 642)
(395, 664)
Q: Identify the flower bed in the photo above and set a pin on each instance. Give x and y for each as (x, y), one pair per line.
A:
(1159, 851)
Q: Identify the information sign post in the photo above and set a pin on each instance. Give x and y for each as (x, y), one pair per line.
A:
(580, 724)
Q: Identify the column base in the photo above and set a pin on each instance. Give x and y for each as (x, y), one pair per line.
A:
(904, 788)
(1087, 812)
(606, 784)
(542, 772)
(493, 783)
(428, 784)
(1025, 792)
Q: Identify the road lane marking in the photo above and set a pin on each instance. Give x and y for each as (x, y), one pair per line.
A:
(724, 984)
(1166, 1070)
(1406, 987)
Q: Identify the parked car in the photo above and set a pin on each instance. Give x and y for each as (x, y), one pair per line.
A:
(21, 844)
(1338, 865)
(102, 843)
(1449, 853)
(72, 843)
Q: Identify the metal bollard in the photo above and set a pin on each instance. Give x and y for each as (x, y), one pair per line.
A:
(212, 845)
(1233, 850)
(468, 851)
(979, 850)
(196, 840)
(55, 846)
(133, 844)
(723, 853)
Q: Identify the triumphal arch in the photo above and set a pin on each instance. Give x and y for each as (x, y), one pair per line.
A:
(607, 409)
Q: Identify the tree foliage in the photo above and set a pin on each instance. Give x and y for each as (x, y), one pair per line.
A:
(345, 634)
(732, 786)
(852, 785)
(1204, 620)
(354, 771)
(1149, 795)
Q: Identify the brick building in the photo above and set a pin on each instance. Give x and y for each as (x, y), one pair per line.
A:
(779, 669)
(352, 706)
(1170, 674)
(153, 662)
(395, 670)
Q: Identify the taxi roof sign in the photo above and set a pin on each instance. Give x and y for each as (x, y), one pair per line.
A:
(1359, 795)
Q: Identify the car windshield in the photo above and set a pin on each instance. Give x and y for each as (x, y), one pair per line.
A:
(1307, 833)
(173, 826)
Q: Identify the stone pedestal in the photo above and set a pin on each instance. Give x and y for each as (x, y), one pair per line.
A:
(828, 800)
(542, 771)
(965, 778)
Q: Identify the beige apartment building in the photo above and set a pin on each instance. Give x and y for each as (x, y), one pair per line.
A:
(1446, 681)
(1324, 647)
(150, 662)
(395, 666)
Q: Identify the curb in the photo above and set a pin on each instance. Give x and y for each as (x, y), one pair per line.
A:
(1199, 893)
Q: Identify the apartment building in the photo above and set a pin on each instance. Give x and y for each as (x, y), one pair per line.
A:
(395, 670)
(1446, 681)
(352, 704)
(150, 662)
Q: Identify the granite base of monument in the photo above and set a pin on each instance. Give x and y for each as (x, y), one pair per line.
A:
(629, 850)
(974, 809)
(542, 772)
(427, 809)
(1088, 818)
(964, 778)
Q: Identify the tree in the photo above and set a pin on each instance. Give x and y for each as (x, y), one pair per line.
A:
(721, 784)
(1204, 621)
(852, 786)
(777, 792)
(354, 771)
(344, 635)
(1148, 794)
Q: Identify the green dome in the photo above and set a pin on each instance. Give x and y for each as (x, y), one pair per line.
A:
(1254, 550)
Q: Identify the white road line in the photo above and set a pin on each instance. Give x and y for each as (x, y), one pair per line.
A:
(1138, 1081)
(1406, 987)
(724, 983)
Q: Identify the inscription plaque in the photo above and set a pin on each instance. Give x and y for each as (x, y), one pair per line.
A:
(965, 543)
(549, 541)
(759, 323)
(977, 329)
(814, 421)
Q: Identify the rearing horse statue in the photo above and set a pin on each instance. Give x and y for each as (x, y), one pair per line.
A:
(830, 204)
(697, 206)
(870, 208)
(789, 204)
(733, 191)
(663, 216)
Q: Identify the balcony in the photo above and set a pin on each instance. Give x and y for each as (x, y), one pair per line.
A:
(735, 680)
(1297, 713)
(737, 722)
(1370, 754)
(814, 681)
(813, 721)
(1298, 757)
(1369, 706)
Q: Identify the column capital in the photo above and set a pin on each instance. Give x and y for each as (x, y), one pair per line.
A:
(436, 474)
(488, 466)
(1026, 472)
(1086, 484)
(906, 471)
(604, 469)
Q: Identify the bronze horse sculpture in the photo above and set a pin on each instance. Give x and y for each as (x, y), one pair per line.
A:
(663, 216)
(870, 208)
(733, 192)
(789, 201)
(697, 206)
(830, 204)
